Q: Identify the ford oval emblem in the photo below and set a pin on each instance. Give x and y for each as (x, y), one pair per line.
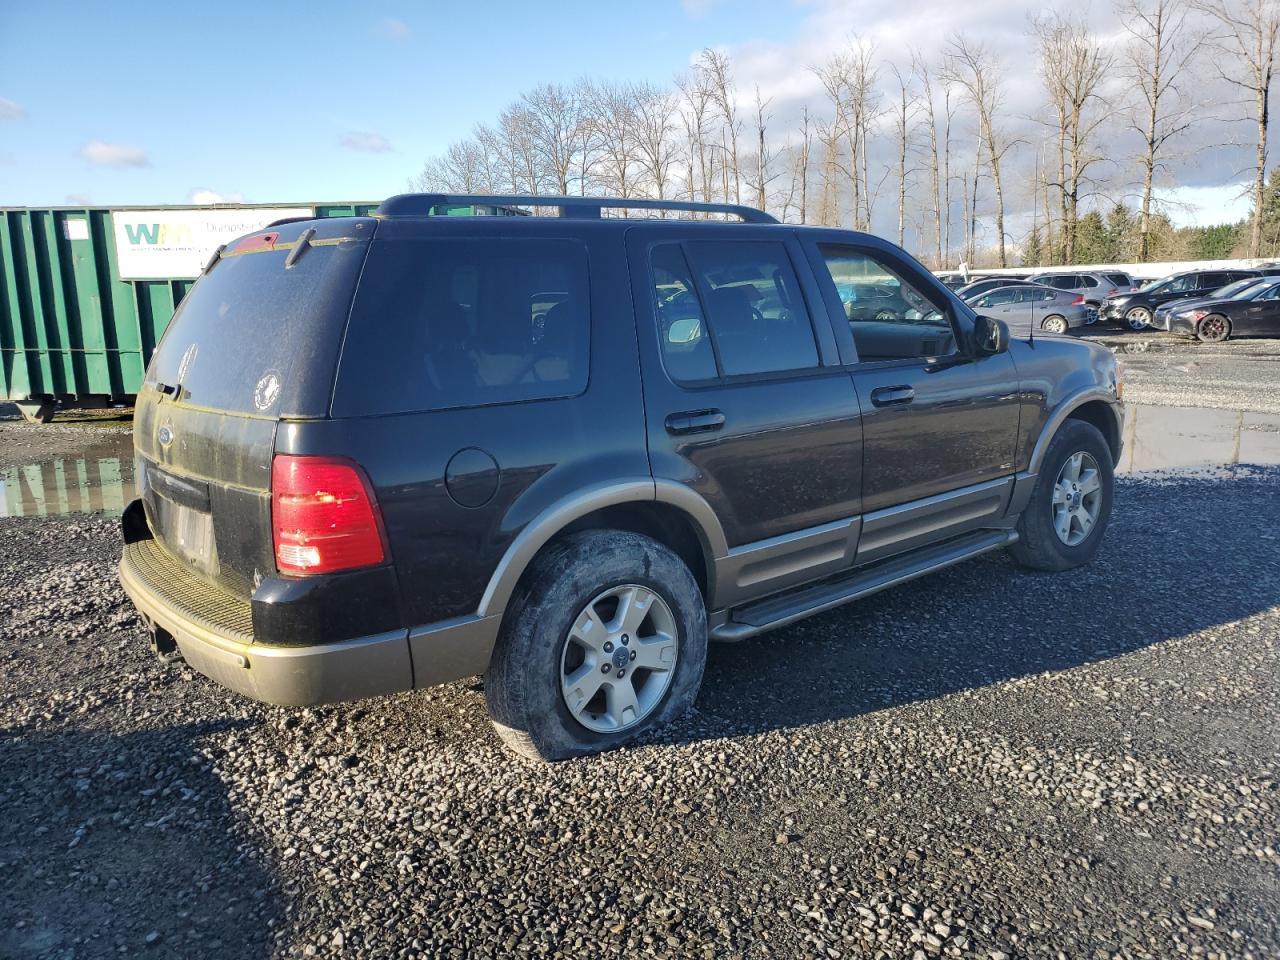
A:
(165, 436)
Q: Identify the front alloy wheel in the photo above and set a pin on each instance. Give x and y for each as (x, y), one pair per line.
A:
(1077, 498)
(619, 658)
(1139, 318)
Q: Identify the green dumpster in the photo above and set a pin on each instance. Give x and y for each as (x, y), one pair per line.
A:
(86, 292)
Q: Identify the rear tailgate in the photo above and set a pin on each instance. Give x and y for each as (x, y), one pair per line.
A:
(254, 343)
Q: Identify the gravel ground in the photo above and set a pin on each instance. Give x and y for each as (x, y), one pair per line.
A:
(1170, 371)
(984, 763)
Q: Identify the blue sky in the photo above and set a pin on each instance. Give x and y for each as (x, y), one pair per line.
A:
(147, 103)
(143, 102)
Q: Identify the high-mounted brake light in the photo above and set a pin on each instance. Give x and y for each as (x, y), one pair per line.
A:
(324, 517)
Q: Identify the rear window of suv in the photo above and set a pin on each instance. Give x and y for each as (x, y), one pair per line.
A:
(462, 323)
(254, 336)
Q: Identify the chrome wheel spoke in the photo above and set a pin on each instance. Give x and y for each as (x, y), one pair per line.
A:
(621, 703)
(1089, 482)
(582, 686)
(633, 607)
(1063, 525)
(655, 653)
(590, 629)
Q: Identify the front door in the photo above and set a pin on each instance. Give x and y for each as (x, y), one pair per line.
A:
(746, 399)
(940, 422)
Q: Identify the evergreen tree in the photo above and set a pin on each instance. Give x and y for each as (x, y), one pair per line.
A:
(1033, 249)
(1092, 242)
(1271, 214)
(1122, 234)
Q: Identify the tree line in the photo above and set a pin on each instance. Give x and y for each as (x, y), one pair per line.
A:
(932, 136)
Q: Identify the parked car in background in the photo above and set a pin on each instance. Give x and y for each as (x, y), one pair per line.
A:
(1253, 313)
(1136, 310)
(1094, 287)
(1027, 307)
(1232, 291)
(975, 287)
(377, 454)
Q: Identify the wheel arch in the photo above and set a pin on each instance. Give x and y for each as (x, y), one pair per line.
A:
(669, 512)
(1093, 405)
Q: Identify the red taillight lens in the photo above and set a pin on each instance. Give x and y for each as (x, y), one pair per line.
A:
(1114, 291)
(1078, 300)
(323, 516)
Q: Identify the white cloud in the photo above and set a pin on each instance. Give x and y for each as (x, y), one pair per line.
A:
(103, 154)
(363, 141)
(11, 109)
(393, 29)
(204, 196)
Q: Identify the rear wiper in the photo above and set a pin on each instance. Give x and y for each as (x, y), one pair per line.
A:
(300, 247)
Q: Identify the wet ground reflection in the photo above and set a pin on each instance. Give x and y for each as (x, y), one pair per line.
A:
(1173, 438)
(61, 486)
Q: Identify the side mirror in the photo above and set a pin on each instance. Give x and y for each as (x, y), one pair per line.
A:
(990, 336)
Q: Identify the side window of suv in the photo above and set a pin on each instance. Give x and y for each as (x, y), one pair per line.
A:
(730, 308)
(472, 323)
(899, 322)
(1088, 281)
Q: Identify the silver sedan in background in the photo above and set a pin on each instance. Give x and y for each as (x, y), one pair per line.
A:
(1029, 306)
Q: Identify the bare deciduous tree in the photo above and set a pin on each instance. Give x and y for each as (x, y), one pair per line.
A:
(613, 113)
(975, 70)
(1155, 61)
(1244, 34)
(655, 116)
(903, 113)
(762, 175)
(1073, 66)
(720, 82)
(921, 68)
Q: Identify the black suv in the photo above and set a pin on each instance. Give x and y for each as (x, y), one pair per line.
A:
(564, 452)
(1136, 310)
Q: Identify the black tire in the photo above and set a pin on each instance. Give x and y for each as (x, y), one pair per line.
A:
(1214, 328)
(1038, 545)
(522, 686)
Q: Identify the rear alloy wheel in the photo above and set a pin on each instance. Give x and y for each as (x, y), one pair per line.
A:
(1054, 324)
(605, 640)
(1214, 328)
(1139, 318)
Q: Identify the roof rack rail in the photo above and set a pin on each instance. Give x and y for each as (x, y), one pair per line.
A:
(588, 208)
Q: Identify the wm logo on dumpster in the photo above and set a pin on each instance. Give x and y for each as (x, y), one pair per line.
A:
(161, 234)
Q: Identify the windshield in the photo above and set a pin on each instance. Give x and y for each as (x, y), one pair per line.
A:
(1262, 289)
(1236, 288)
(1155, 286)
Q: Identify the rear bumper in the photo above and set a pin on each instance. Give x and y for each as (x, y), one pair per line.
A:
(295, 676)
(219, 643)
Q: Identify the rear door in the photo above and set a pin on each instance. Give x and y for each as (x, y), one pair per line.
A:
(746, 399)
(254, 341)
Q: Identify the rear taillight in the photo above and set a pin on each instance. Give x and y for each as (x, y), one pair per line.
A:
(323, 516)
(1078, 300)
(1114, 291)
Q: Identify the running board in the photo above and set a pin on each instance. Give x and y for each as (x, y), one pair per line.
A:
(774, 612)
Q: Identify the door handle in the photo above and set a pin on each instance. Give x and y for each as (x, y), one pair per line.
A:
(695, 421)
(887, 396)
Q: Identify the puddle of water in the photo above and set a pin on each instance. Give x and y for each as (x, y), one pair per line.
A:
(1173, 438)
(62, 486)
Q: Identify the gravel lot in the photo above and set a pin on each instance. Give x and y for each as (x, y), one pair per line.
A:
(1171, 371)
(983, 763)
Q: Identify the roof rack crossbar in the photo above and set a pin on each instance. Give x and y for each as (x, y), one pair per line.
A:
(423, 204)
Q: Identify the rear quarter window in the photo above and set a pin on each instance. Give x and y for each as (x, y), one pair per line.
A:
(463, 323)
